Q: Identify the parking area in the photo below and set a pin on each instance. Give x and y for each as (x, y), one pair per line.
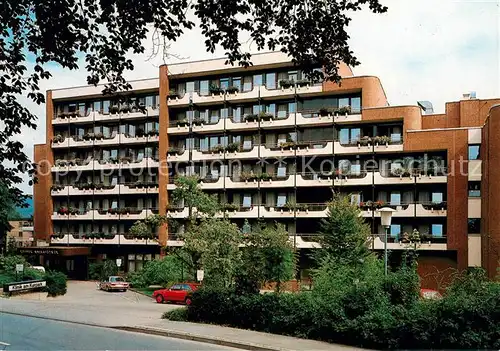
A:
(86, 300)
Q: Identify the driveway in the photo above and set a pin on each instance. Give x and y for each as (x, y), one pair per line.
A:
(87, 304)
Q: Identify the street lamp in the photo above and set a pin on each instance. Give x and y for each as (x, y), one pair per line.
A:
(385, 218)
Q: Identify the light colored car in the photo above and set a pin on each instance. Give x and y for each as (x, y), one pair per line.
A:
(114, 283)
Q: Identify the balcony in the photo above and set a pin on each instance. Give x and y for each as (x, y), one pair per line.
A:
(178, 127)
(100, 239)
(402, 176)
(305, 240)
(176, 154)
(292, 210)
(96, 116)
(90, 139)
(102, 189)
(366, 145)
(90, 164)
(289, 90)
(427, 242)
(201, 126)
(326, 117)
(299, 148)
(212, 182)
(427, 209)
(128, 213)
(240, 211)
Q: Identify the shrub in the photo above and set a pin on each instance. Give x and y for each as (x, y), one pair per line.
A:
(56, 283)
(95, 270)
(178, 315)
(109, 268)
(162, 272)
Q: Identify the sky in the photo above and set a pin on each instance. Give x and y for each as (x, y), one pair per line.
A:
(432, 50)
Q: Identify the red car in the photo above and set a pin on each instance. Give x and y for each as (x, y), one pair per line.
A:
(180, 292)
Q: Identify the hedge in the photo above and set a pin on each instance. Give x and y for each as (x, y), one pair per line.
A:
(56, 283)
(360, 318)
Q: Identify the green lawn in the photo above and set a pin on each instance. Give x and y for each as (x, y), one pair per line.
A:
(145, 291)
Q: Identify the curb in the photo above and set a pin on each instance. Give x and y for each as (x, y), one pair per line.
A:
(199, 338)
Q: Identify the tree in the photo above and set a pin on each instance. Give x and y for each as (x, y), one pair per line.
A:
(36, 33)
(217, 243)
(267, 256)
(147, 227)
(7, 213)
(189, 193)
(344, 233)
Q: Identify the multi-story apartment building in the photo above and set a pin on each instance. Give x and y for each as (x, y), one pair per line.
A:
(273, 146)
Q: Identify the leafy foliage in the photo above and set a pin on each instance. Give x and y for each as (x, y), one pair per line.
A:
(109, 268)
(199, 203)
(56, 283)
(147, 227)
(344, 233)
(267, 256)
(217, 243)
(162, 272)
(178, 315)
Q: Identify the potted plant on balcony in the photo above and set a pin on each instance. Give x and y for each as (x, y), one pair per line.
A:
(73, 211)
(56, 187)
(139, 133)
(215, 90)
(302, 82)
(265, 176)
(344, 110)
(112, 211)
(233, 147)
(265, 116)
(197, 121)
(182, 122)
(173, 94)
(61, 163)
(325, 111)
(252, 117)
(139, 184)
(364, 141)
(58, 138)
(217, 149)
(173, 151)
(88, 136)
(125, 108)
(286, 83)
(231, 207)
(115, 108)
(248, 176)
(109, 235)
(232, 89)
(153, 133)
(98, 186)
(99, 136)
(63, 210)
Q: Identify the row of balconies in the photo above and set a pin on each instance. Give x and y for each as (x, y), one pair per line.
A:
(101, 189)
(125, 213)
(91, 164)
(312, 211)
(311, 180)
(177, 100)
(311, 241)
(300, 241)
(287, 149)
(100, 239)
(62, 142)
(265, 121)
(96, 116)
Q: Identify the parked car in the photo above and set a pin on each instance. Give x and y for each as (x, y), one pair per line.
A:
(114, 283)
(429, 294)
(180, 292)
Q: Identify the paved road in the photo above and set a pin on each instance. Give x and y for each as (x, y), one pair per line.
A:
(26, 333)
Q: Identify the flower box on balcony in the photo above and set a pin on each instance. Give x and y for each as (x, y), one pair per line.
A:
(233, 147)
(216, 90)
(182, 123)
(57, 187)
(173, 94)
(302, 82)
(198, 121)
(286, 83)
(232, 90)
(231, 207)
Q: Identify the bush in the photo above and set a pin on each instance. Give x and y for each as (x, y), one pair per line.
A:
(178, 315)
(95, 270)
(56, 283)
(379, 313)
(162, 272)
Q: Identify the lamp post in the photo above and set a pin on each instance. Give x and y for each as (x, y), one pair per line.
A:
(385, 218)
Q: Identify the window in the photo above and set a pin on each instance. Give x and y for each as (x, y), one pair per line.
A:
(437, 230)
(343, 102)
(271, 81)
(474, 189)
(356, 169)
(237, 83)
(395, 198)
(190, 87)
(237, 114)
(356, 105)
(257, 80)
(281, 200)
(247, 83)
(97, 106)
(256, 109)
(355, 135)
(247, 200)
(437, 197)
(224, 83)
(204, 87)
(395, 229)
(292, 107)
(271, 108)
(105, 107)
(176, 287)
(355, 199)
(281, 171)
(281, 111)
(247, 142)
(293, 75)
(474, 226)
(474, 152)
(344, 136)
